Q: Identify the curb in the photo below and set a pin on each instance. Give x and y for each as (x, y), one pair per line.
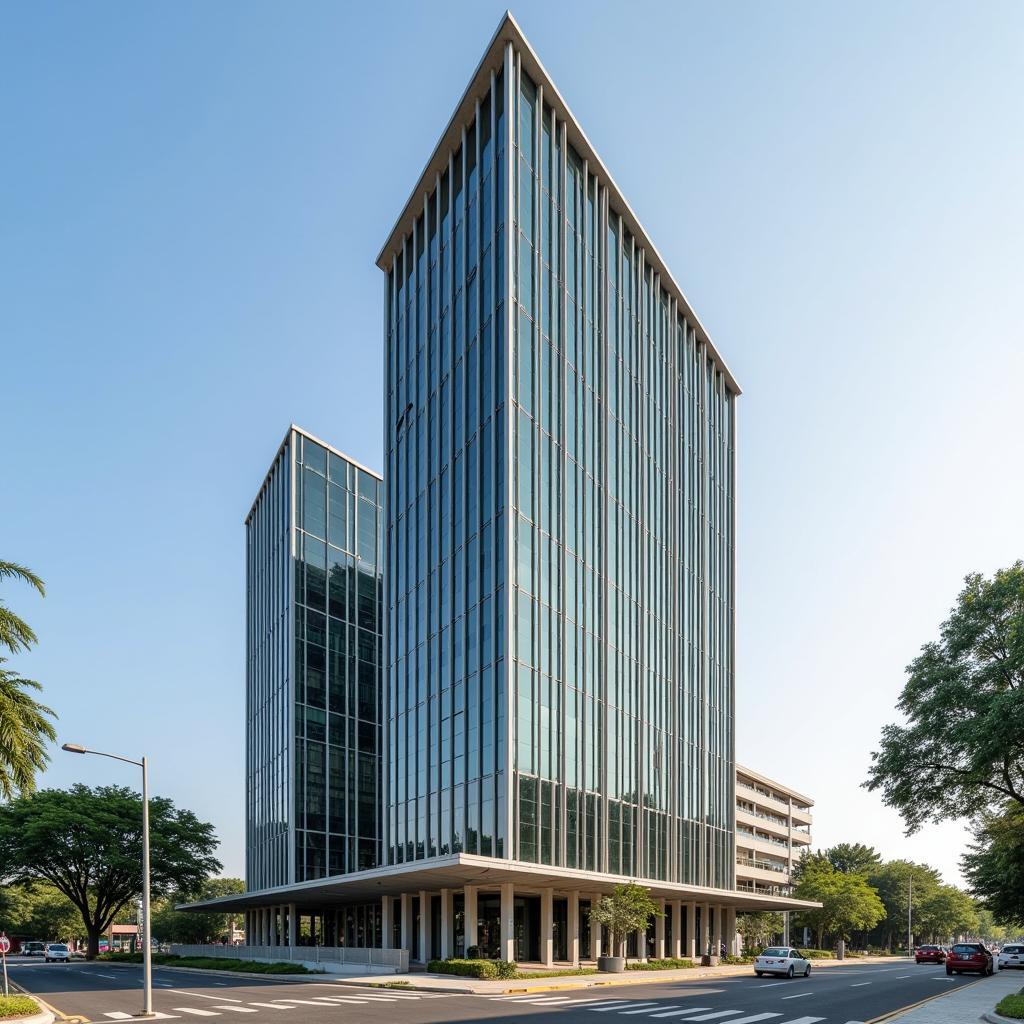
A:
(997, 1018)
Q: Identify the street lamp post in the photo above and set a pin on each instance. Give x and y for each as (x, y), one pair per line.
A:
(147, 952)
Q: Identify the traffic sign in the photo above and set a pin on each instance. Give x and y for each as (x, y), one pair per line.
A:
(5, 945)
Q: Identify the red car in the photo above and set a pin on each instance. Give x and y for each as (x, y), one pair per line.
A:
(930, 955)
(969, 956)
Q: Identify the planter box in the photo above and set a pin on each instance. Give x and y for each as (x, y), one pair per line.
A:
(611, 964)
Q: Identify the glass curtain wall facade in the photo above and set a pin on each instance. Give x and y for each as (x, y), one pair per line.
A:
(560, 453)
(313, 668)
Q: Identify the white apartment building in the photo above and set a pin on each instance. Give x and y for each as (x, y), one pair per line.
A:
(773, 827)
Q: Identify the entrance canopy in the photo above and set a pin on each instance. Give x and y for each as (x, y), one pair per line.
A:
(462, 869)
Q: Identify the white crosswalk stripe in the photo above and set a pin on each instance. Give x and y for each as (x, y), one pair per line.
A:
(754, 1018)
(621, 1006)
(198, 1013)
(237, 1009)
(646, 1009)
(802, 1020)
(680, 1013)
(121, 1015)
(717, 1015)
(273, 1006)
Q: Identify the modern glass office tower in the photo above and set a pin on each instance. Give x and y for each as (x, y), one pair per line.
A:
(557, 709)
(313, 663)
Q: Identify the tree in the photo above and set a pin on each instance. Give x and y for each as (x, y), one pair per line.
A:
(172, 925)
(945, 912)
(25, 725)
(15, 633)
(88, 843)
(759, 929)
(892, 881)
(994, 863)
(38, 910)
(848, 903)
(25, 728)
(963, 745)
(628, 909)
(853, 858)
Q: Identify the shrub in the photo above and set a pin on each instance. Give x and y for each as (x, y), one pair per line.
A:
(1011, 1006)
(818, 954)
(557, 973)
(474, 968)
(17, 1006)
(670, 963)
(473, 953)
(505, 968)
(737, 959)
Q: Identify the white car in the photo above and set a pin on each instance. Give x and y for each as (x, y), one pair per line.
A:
(782, 960)
(1011, 955)
(57, 951)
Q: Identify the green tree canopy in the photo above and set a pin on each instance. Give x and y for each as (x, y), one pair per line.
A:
(994, 863)
(848, 902)
(38, 910)
(853, 858)
(892, 880)
(759, 929)
(962, 746)
(88, 844)
(628, 909)
(170, 925)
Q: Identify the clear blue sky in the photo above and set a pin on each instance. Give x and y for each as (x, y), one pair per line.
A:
(191, 199)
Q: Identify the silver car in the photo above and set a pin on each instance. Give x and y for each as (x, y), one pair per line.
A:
(782, 960)
(1011, 955)
(56, 952)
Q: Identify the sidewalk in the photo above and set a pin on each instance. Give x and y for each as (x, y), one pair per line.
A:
(451, 983)
(964, 1005)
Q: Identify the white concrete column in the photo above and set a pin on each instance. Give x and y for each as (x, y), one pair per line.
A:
(596, 946)
(717, 932)
(471, 916)
(691, 930)
(547, 926)
(641, 943)
(406, 911)
(704, 936)
(659, 932)
(677, 928)
(507, 949)
(293, 925)
(386, 905)
(266, 927)
(425, 950)
(574, 928)
(731, 941)
(446, 924)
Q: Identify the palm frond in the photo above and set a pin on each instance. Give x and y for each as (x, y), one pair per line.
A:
(15, 633)
(21, 572)
(25, 728)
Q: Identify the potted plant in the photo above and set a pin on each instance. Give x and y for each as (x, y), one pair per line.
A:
(627, 909)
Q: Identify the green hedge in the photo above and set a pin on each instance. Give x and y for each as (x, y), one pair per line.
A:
(660, 964)
(818, 954)
(208, 963)
(17, 1006)
(558, 972)
(474, 968)
(737, 959)
(1011, 1006)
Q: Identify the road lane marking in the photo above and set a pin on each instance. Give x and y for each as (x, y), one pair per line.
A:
(273, 1006)
(944, 979)
(647, 1010)
(679, 1013)
(799, 995)
(550, 999)
(860, 984)
(118, 1015)
(772, 984)
(717, 1015)
(620, 1006)
(198, 1013)
(803, 1020)
(199, 995)
(237, 1009)
(755, 1017)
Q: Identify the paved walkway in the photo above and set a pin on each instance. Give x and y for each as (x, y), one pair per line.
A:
(966, 1004)
(451, 983)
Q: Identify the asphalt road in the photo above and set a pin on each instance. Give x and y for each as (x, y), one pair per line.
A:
(854, 994)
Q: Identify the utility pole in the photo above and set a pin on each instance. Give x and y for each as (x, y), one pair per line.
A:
(910, 904)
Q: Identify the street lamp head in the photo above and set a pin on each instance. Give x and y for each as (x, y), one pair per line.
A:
(74, 748)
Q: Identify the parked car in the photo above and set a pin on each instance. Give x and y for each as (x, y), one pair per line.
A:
(930, 955)
(56, 952)
(33, 948)
(782, 960)
(969, 956)
(1011, 955)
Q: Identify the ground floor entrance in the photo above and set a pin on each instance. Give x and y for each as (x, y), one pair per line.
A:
(540, 925)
